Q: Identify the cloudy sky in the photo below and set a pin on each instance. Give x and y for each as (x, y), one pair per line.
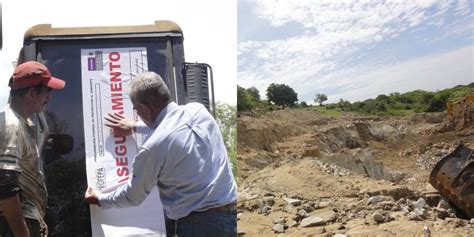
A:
(355, 50)
(207, 40)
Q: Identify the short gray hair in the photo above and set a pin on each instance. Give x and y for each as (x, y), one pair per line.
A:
(150, 89)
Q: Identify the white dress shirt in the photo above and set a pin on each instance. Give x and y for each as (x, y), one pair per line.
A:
(186, 157)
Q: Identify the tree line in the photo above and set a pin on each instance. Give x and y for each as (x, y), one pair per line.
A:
(277, 94)
(392, 104)
(405, 103)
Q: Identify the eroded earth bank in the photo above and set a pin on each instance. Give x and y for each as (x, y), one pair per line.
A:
(301, 173)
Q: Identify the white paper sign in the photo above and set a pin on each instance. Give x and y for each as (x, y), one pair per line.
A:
(106, 74)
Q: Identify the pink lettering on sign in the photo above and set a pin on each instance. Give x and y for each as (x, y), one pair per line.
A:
(116, 96)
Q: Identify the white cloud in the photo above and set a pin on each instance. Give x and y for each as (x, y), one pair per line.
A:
(438, 17)
(338, 25)
(334, 31)
(463, 8)
(430, 73)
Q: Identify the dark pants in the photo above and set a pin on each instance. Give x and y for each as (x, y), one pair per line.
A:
(204, 224)
(33, 226)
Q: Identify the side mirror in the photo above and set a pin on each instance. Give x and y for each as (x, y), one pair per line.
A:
(196, 79)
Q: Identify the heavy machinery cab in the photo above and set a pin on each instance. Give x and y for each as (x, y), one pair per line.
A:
(60, 50)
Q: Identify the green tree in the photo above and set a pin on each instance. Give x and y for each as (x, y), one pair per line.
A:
(320, 98)
(244, 100)
(358, 106)
(281, 94)
(382, 98)
(402, 104)
(252, 91)
(344, 105)
(303, 104)
(226, 116)
(381, 107)
(427, 97)
(438, 102)
(247, 99)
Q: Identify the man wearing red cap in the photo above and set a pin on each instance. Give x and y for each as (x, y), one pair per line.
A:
(23, 131)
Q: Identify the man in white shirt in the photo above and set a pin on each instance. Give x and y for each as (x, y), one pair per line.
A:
(185, 156)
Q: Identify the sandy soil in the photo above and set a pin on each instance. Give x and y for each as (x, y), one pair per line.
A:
(334, 168)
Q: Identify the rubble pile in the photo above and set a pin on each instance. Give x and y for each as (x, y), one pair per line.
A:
(332, 169)
(350, 176)
(297, 212)
(428, 156)
(433, 154)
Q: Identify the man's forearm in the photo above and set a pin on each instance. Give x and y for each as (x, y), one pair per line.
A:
(11, 208)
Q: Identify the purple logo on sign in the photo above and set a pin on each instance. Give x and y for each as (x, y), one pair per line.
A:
(94, 61)
(91, 66)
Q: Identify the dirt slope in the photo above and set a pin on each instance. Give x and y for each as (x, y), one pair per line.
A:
(361, 176)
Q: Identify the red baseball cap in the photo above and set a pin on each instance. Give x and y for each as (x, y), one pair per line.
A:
(33, 73)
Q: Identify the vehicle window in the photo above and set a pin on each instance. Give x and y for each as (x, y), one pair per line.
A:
(64, 111)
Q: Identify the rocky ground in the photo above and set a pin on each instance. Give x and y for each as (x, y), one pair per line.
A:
(304, 174)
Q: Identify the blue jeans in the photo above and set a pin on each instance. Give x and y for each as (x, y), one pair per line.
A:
(204, 224)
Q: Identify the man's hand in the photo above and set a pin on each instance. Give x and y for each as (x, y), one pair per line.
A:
(92, 196)
(120, 125)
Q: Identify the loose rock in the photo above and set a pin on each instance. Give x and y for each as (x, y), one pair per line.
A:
(279, 220)
(375, 199)
(378, 218)
(278, 228)
(269, 201)
(294, 202)
(312, 221)
(420, 203)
